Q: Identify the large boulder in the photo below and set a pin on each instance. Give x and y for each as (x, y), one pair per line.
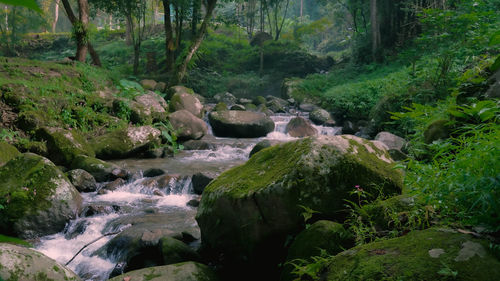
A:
(240, 124)
(21, 263)
(64, 145)
(394, 143)
(277, 105)
(226, 98)
(300, 127)
(262, 145)
(126, 142)
(7, 152)
(148, 84)
(178, 90)
(322, 236)
(100, 170)
(188, 126)
(320, 116)
(82, 180)
(186, 271)
(247, 213)
(187, 102)
(432, 254)
(37, 197)
(200, 180)
(153, 105)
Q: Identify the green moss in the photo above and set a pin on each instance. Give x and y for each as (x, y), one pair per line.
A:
(221, 106)
(13, 240)
(260, 100)
(409, 258)
(65, 145)
(7, 152)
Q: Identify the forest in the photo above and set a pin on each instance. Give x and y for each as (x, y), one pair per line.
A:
(279, 140)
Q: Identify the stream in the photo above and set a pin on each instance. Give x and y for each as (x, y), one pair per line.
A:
(136, 199)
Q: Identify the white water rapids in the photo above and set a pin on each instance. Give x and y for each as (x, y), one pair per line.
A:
(134, 198)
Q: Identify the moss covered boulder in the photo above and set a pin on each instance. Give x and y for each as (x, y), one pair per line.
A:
(185, 101)
(186, 271)
(64, 145)
(37, 197)
(153, 106)
(126, 142)
(100, 170)
(247, 212)
(240, 124)
(20, 263)
(322, 236)
(432, 254)
(7, 152)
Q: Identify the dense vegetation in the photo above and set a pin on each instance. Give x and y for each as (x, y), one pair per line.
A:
(422, 70)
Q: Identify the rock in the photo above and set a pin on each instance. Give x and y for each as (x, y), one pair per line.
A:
(299, 127)
(193, 203)
(100, 170)
(238, 107)
(167, 183)
(439, 129)
(82, 180)
(178, 90)
(187, 102)
(226, 98)
(153, 105)
(201, 180)
(136, 112)
(277, 105)
(112, 186)
(244, 101)
(126, 142)
(75, 228)
(21, 263)
(288, 88)
(251, 107)
(221, 106)
(349, 128)
(148, 84)
(247, 212)
(198, 145)
(260, 100)
(154, 153)
(240, 124)
(39, 197)
(494, 90)
(64, 145)
(93, 210)
(321, 235)
(320, 116)
(394, 143)
(175, 251)
(261, 145)
(307, 107)
(432, 254)
(7, 152)
(161, 87)
(187, 271)
(153, 172)
(188, 126)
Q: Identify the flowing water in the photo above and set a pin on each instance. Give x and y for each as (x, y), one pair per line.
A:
(137, 198)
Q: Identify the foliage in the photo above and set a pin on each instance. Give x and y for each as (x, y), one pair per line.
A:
(170, 135)
(306, 269)
(30, 4)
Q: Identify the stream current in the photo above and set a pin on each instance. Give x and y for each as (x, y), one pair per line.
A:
(135, 199)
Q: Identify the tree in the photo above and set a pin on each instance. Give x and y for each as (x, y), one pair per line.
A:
(30, 4)
(375, 30)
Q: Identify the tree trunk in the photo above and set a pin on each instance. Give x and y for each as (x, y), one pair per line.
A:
(81, 31)
(195, 16)
(56, 16)
(375, 29)
(137, 49)
(169, 37)
(129, 29)
(195, 44)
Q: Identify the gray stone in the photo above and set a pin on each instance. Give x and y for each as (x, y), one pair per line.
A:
(188, 126)
(82, 180)
(240, 124)
(299, 127)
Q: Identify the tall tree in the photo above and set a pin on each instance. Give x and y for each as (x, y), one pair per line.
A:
(375, 29)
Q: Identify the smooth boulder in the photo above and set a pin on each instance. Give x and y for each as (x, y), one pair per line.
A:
(64, 145)
(186, 271)
(247, 212)
(394, 143)
(300, 127)
(320, 116)
(100, 170)
(240, 124)
(188, 126)
(7, 152)
(126, 142)
(432, 254)
(185, 101)
(21, 263)
(153, 104)
(82, 180)
(39, 197)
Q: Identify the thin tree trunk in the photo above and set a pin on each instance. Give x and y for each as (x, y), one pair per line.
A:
(375, 30)
(129, 29)
(56, 16)
(195, 44)
(81, 33)
(278, 30)
(301, 9)
(169, 37)
(196, 16)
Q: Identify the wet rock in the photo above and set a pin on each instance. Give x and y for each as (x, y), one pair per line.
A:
(413, 255)
(82, 180)
(201, 180)
(185, 101)
(247, 213)
(126, 142)
(240, 124)
(20, 263)
(261, 145)
(349, 128)
(320, 117)
(175, 251)
(300, 127)
(189, 126)
(93, 210)
(153, 172)
(226, 98)
(75, 228)
(238, 107)
(154, 153)
(64, 145)
(198, 145)
(39, 197)
(394, 143)
(112, 186)
(168, 183)
(187, 271)
(7, 152)
(193, 203)
(100, 170)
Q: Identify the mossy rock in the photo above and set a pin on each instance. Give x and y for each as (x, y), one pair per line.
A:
(126, 142)
(186, 271)
(322, 236)
(64, 145)
(177, 89)
(247, 212)
(20, 263)
(7, 152)
(175, 251)
(189, 102)
(240, 124)
(31, 120)
(37, 197)
(432, 254)
(260, 100)
(439, 129)
(100, 170)
(221, 106)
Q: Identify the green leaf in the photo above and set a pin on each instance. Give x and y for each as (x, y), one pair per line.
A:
(495, 39)
(496, 65)
(30, 4)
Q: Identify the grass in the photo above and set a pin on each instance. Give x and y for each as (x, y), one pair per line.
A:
(13, 240)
